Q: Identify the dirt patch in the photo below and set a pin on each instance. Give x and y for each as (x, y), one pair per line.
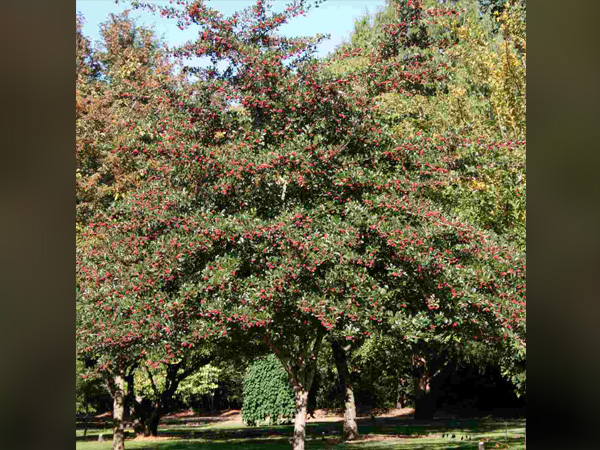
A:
(325, 415)
(181, 414)
(330, 415)
(396, 412)
(386, 437)
(153, 438)
(232, 416)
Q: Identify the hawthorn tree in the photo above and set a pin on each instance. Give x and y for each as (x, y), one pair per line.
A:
(123, 91)
(274, 203)
(434, 70)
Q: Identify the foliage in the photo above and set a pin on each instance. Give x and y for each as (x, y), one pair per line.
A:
(204, 381)
(87, 389)
(121, 88)
(150, 382)
(451, 113)
(382, 365)
(118, 107)
(497, 64)
(267, 393)
(474, 108)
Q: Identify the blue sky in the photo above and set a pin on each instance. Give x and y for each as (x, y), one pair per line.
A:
(334, 17)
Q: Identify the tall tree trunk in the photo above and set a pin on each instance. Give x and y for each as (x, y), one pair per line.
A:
(139, 417)
(341, 362)
(118, 395)
(350, 426)
(300, 419)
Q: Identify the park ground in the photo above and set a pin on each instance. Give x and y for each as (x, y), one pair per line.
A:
(394, 429)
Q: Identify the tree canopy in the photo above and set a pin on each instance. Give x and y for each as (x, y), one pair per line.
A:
(278, 197)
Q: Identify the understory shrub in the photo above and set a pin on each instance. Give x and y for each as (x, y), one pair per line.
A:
(268, 394)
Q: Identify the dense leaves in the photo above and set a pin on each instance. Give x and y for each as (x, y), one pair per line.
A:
(268, 394)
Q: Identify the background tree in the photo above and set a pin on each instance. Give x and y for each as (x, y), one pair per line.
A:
(122, 89)
(203, 382)
(152, 386)
(467, 95)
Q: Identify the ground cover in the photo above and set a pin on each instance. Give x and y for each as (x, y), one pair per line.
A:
(383, 432)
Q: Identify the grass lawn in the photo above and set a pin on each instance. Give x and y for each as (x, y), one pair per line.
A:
(384, 434)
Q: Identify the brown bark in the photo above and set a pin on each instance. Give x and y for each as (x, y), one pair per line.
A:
(86, 420)
(420, 387)
(152, 424)
(117, 390)
(300, 419)
(341, 362)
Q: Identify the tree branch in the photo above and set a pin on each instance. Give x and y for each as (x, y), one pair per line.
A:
(152, 381)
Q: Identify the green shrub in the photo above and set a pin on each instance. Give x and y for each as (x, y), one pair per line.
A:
(268, 394)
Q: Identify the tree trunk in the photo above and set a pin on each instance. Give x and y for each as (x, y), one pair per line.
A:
(350, 426)
(147, 418)
(424, 400)
(154, 421)
(400, 400)
(341, 362)
(85, 421)
(146, 412)
(300, 419)
(118, 394)
(302, 374)
(425, 407)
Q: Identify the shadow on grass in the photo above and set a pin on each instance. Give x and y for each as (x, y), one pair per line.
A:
(391, 426)
(106, 435)
(194, 420)
(318, 444)
(400, 432)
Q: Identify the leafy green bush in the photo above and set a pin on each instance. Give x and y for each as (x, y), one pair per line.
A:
(201, 384)
(268, 394)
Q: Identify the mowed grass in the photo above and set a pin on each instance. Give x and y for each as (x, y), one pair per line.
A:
(384, 434)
